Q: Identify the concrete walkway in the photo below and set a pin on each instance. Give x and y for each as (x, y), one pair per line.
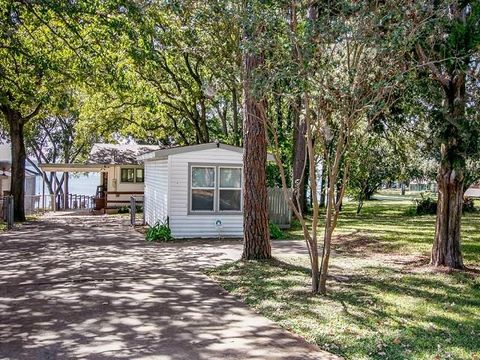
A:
(84, 287)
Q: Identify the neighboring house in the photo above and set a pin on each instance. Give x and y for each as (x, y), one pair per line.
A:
(473, 191)
(5, 178)
(196, 189)
(122, 176)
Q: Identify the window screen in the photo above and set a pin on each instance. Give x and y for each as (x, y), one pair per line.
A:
(203, 189)
(230, 189)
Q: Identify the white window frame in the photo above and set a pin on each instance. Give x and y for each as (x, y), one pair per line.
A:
(191, 188)
(216, 193)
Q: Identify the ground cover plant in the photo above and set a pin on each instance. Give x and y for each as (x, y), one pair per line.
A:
(385, 301)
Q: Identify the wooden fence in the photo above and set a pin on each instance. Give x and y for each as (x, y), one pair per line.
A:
(278, 210)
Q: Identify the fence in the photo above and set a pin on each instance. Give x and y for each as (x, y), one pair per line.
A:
(7, 210)
(278, 210)
(48, 202)
(136, 204)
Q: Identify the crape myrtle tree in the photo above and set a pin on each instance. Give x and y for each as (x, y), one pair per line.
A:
(446, 54)
(344, 75)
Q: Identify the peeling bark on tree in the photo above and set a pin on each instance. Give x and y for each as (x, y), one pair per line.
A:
(446, 247)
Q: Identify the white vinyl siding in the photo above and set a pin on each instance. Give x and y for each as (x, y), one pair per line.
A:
(185, 225)
(156, 191)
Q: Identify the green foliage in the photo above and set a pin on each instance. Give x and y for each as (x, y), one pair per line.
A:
(159, 232)
(426, 205)
(469, 205)
(275, 232)
(124, 210)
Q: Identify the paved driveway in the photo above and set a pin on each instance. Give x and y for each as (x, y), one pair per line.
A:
(91, 288)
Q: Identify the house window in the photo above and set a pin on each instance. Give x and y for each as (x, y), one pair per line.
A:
(230, 189)
(203, 188)
(139, 176)
(131, 175)
(216, 189)
(127, 175)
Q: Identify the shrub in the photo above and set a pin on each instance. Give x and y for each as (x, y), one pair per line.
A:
(275, 232)
(468, 205)
(425, 205)
(159, 232)
(123, 210)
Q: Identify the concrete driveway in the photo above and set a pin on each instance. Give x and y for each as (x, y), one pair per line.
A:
(84, 287)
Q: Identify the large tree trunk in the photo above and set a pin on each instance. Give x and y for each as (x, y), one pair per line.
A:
(255, 198)
(446, 247)
(17, 185)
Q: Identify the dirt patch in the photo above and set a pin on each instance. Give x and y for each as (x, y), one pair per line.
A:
(355, 242)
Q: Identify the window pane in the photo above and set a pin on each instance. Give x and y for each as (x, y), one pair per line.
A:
(139, 175)
(230, 178)
(203, 177)
(202, 200)
(127, 175)
(230, 200)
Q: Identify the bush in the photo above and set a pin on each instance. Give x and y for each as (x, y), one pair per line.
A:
(275, 232)
(425, 205)
(159, 232)
(468, 205)
(123, 210)
(126, 209)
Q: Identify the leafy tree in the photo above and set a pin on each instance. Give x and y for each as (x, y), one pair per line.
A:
(44, 46)
(375, 164)
(447, 51)
(345, 76)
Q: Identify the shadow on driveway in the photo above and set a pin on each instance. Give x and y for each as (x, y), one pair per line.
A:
(91, 288)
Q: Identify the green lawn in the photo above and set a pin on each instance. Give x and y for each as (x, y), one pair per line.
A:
(384, 300)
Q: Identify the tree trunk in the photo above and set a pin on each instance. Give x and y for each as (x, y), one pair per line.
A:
(236, 135)
(299, 160)
(255, 198)
(66, 191)
(17, 187)
(446, 246)
(446, 249)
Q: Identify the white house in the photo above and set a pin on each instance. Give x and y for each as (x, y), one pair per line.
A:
(196, 189)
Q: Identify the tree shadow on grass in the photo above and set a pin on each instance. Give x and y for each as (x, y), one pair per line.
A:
(405, 316)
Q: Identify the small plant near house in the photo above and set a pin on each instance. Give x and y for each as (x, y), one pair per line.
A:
(275, 232)
(123, 210)
(159, 232)
(126, 209)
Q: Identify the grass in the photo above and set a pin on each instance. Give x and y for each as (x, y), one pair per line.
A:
(384, 302)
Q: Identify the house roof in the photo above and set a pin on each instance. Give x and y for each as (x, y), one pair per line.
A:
(115, 154)
(163, 153)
